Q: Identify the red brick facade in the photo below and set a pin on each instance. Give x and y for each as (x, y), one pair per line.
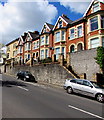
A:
(67, 36)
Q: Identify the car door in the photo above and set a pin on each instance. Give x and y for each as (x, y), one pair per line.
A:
(20, 74)
(78, 87)
(88, 88)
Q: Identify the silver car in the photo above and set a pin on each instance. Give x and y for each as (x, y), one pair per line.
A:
(85, 87)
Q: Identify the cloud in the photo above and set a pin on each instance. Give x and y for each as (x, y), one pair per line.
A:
(78, 6)
(18, 17)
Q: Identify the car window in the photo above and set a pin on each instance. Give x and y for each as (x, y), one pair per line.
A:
(79, 82)
(28, 73)
(86, 83)
(73, 81)
(97, 85)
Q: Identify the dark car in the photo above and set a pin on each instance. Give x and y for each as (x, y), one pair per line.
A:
(26, 76)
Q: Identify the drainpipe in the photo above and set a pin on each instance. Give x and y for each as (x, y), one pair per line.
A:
(85, 33)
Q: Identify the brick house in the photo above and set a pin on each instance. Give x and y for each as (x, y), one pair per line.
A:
(11, 51)
(59, 39)
(21, 49)
(87, 32)
(46, 41)
(65, 37)
(95, 24)
(35, 49)
(24, 47)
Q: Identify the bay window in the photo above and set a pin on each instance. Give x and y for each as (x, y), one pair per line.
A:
(46, 53)
(42, 40)
(63, 35)
(94, 43)
(57, 37)
(42, 54)
(102, 21)
(37, 44)
(63, 50)
(47, 39)
(28, 56)
(72, 33)
(94, 23)
(79, 31)
(57, 50)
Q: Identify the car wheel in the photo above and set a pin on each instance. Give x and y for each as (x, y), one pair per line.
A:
(100, 98)
(24, 79)
(69, 90)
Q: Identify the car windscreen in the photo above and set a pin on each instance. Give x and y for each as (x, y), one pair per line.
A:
(97, 85)
(28, 74)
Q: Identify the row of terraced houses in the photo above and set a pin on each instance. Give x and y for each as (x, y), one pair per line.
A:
(66, 36)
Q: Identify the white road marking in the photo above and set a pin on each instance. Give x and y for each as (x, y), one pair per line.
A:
(23, 88)
(86, 112)
(35, 84)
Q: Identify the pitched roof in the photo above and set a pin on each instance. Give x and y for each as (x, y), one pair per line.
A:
(65, 19)
(50, 26)
(91, 5)
(12, 41)
(24, 36)
(34, 35)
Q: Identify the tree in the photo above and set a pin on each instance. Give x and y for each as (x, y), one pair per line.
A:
(100, 58)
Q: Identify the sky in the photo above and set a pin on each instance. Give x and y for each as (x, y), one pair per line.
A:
(19, 16)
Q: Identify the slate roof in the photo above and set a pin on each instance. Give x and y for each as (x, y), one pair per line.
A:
(34, 35)
(50, 26)
(12, 41)
(66, 19)
(24, 36)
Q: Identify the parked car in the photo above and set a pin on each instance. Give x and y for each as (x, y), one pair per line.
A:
(25, 75)
(85, 87)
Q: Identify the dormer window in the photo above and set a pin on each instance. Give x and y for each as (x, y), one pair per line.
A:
(44, 29)
(60, 24)
(96, 7)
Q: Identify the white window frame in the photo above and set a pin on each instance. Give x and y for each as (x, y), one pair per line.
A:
(63, 35)
(60, 24)
(34, 45)
(102, 21)
(57, 53)
(47, 40)
(95, 43)
(42, 54)
(79, 31)
(96, 7)
(96, 21)
(42, 40)
(47, 53)
(72, 35)
(57, 36)
(28, 56)
(37, 44)
(103, 41)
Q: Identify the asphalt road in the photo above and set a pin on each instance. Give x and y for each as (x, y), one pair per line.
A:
(33, 100)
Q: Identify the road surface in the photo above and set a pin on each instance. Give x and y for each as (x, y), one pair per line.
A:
(33, 100)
